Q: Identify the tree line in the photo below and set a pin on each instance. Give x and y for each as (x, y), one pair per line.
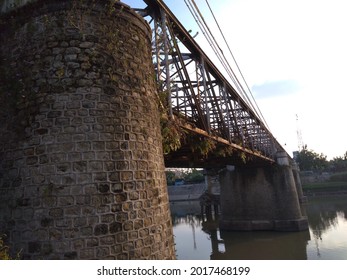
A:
(189, 176)
(309, 160)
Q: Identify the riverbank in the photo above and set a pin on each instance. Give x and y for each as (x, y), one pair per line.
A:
(186, 192)
(194, 191)
(325, 188)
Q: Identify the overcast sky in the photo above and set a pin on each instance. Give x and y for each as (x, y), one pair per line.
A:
(293, 54)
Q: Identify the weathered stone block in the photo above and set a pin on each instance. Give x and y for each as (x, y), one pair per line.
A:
(56, 212)
(88, 254)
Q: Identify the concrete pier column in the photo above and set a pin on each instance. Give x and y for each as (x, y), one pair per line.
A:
(81, 163)
(208, 182)
(210, 200)
(296, 173)
(208, 174)
(260, 198)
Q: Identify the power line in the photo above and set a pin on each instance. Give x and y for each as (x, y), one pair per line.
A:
(211, 41)
(237, 65)
(194, 9)
(299, 135)
(200, 20)
(232, 55)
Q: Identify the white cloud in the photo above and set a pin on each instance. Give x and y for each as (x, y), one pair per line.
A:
(273, 89)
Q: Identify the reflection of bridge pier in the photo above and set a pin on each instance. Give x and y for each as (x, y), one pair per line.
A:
(209, 225)
(209, 204)
(214, 241)
(263, 245)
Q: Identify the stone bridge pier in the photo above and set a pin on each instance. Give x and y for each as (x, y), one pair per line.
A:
(261, 198)
(81, 162)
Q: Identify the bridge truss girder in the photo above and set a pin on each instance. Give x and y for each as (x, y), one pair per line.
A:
(199, 94)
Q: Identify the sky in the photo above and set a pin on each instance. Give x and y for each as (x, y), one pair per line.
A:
(293, 55)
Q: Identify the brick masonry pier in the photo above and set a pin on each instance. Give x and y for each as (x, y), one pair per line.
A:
(81, 162)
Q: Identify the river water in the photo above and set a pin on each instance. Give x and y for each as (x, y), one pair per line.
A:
(198, 237)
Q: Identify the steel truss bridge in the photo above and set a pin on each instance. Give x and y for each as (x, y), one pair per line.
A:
(198, 93)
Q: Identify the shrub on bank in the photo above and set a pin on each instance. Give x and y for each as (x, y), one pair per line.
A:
(339, 177)
(4, 250)
(4, 254)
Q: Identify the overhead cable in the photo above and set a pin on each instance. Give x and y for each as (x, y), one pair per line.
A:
(215, 47)
(208, 38)
(199, 18)
(231, 53)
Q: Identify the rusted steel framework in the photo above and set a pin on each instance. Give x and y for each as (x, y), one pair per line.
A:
(197, 91)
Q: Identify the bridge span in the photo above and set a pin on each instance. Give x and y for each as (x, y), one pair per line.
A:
(198, 95)
(95, 99)
(261, 187)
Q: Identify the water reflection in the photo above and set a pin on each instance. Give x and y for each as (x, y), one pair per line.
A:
(264, 246)
(197, 236)
(325, 215)
(328, 227)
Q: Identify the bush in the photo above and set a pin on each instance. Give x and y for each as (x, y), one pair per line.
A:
(4, 250)
(339, 177)
(194, 176)
(4, 254)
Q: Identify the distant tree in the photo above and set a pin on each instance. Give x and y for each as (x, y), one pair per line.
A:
(194, 176)
(310, 160)
(338, 164)
(170, 177)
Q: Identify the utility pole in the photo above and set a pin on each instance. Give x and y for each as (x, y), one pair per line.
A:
(299, 135)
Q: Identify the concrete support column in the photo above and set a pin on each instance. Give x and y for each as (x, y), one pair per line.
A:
(296, 173)
(210, 200)
(260, 198)
(208, 174)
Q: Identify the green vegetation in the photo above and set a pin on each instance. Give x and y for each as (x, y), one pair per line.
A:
(339, 177)
(4, 250)
(190, 176)
(326, 186)
(4, 254)
(171, 133)
(194, 176)
(336, 183)
(170, 177)
(310, 160)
